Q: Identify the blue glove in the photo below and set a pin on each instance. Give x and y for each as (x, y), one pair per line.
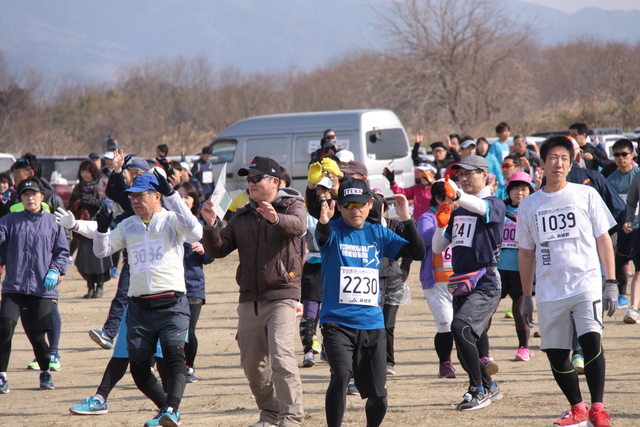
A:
(51, 281)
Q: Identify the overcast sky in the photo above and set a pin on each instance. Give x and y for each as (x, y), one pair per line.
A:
(575, 5)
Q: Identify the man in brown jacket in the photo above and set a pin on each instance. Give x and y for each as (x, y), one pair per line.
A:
(266, 232)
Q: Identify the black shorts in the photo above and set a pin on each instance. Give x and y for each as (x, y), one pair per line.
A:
(146, 327)
(477, 308)
(35, 311)
(511, 283)
(362, 352)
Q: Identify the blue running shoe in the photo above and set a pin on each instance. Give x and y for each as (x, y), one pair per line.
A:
(170, 418)
(46, 383)
(165, 418)
(623, 302)
(4, 385)
(91, 406)
(101, 338)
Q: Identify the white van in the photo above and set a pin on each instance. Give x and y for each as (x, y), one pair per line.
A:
(376, 138)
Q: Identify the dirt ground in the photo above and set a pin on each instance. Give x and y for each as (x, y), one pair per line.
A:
(222, 396)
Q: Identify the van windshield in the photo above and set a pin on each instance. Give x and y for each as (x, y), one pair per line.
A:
(384, 144)
(223, 151)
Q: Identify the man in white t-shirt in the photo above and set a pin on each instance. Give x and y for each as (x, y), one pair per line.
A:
(563, 231)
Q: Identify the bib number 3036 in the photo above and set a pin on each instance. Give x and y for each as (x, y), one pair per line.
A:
(359, 286)
(141, 256)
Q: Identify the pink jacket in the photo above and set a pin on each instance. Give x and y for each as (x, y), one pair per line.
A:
(420, 194)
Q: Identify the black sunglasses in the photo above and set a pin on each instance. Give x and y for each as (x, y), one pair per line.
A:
(256, 179)
(623, 154)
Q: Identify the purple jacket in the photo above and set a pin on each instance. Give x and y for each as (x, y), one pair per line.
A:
(35, 243)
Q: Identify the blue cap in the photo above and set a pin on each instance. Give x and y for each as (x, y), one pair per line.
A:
(141, 164)
(142, 183)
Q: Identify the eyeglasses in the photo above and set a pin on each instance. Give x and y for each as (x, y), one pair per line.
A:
(438, 151)
(621, 153)
(256, 179)
(357, 205)
(137, 196)
(463, 175)
(507, 165)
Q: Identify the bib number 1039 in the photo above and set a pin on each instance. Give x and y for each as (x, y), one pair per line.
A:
(359, 286)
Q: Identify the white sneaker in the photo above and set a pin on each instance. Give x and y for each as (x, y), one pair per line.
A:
(631, 316)
(308, 360)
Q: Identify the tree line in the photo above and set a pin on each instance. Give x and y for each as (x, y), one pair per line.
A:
(447, 66)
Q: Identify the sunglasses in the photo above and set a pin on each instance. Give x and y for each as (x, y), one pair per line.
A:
(256, 179)
(507, 165)
(623, 154)
(357, 205)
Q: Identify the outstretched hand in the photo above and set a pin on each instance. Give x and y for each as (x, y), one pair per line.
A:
(327, 211)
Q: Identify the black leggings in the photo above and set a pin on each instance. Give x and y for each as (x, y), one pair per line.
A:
(176, 368)
(467, 347)
(336, 402)
(116, 368)
(191, 348)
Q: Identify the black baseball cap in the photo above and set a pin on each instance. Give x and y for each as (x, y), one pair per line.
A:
(29, 184)
(354, 191)
(262, 166)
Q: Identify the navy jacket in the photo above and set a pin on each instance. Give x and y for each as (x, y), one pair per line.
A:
(193, 271)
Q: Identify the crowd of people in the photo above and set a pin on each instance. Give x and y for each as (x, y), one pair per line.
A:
(487, 221)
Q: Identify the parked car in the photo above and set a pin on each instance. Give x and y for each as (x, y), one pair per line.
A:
(62, 173)
(6, 160)
(376, 138)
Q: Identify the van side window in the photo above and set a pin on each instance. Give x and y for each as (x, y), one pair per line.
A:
(223, 151)
(277, 147)
(386, 144)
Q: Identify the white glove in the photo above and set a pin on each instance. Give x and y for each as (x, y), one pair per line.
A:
(65, 219)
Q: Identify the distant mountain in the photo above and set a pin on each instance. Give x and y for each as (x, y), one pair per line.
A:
(88, 40)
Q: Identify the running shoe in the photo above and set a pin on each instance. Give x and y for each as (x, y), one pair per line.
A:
(623, 302)
(491, 365)
(4, 385)
(509, 313)
(308, 361)
(191, 375)
(46, 383)
(523, 355)
(446, 370)
(170, 417)
(352, 390)
(571, 418)
(54, 362)
(494, 392)
(536, 334)
(473, 399)
(263, 424)
(34, 365)
(578, 363)
(102, 339)
(90, 406)
(599, 418)
(316, 347)
(323, 356)
(631, 316)
(114, 273)
(390, 370)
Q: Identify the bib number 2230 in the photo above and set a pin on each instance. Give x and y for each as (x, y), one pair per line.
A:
(359, 286)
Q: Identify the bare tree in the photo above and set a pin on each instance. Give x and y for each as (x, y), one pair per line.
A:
(454, 60)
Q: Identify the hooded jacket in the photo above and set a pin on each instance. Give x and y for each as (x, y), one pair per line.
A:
(270, 253)
(35, 243)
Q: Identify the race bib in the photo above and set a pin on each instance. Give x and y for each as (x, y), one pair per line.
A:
(446, 258)
(464, 227)
(509, 236)
(557, 224)
(359, 285)
(207, 177)
(142, 257)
